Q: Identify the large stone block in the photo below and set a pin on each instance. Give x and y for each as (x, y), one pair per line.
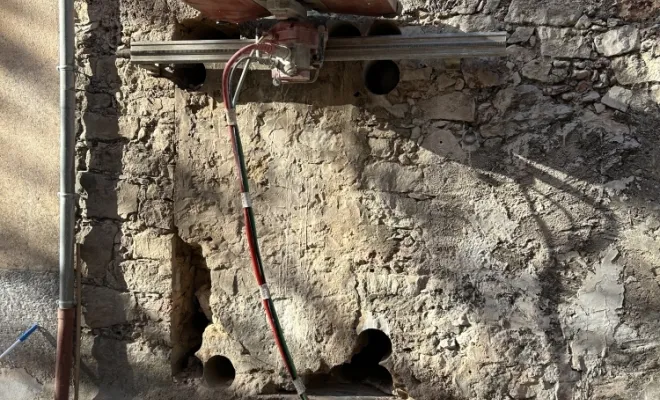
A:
(538, 70)
(149, 244)
(157, 214)
(618, 41)
(453, 106)
(105, 307)
(564, 43)
(97, 249)
(127, 198)
(551, 12)
(618, 98)
(140, 161)
(105, 157)
(100, 127)
(636, 68)
(101, 199)
(149, 276)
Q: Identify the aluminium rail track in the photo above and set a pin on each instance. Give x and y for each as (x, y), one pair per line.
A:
(393, 47)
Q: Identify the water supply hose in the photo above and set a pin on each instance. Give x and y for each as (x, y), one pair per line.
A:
(248, 215)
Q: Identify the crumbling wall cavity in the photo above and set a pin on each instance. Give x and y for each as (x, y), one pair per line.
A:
(191, 314)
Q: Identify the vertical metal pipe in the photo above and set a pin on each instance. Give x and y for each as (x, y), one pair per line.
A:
(67, 153)
(67, 199)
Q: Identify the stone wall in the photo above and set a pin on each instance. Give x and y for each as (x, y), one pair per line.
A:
(496, 219)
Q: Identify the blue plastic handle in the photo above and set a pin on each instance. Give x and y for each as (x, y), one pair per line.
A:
(27, 333)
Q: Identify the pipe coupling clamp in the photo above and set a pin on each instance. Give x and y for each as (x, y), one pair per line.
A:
(73, 196)
(66, 304)
(300, 386)
(265, 292)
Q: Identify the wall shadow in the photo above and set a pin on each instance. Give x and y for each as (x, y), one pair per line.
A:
(99, 153)
(568, 166)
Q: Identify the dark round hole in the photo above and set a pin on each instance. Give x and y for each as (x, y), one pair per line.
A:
(373, 347)
(381, 77)
(383, 28)
(344, 30)
(219, 372)
(189, 76)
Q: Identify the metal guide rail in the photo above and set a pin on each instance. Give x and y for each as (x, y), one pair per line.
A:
(394, 47)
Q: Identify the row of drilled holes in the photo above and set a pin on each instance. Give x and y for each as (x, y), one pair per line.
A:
(373, 347)
(380, 77)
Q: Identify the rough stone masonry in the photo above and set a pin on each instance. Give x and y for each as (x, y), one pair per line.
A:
(496, 219)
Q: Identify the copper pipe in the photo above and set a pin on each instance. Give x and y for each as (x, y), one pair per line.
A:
(65, 318)
(76, 371)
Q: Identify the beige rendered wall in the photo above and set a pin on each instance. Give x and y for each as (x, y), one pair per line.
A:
(28, 135)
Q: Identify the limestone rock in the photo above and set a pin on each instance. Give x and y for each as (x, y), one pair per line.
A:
(391, 177)
(454, 106)
(618, 41)
(128, 127)
(521, 34)
(538, 70)
(140, 161)
(105, 157)
(203, 294)
(100, 127)
(443, 143)
(444, 81)
(483, 72)
(101, 195)
(521, 109)
(149, 276)
(602, 126)
(127, 198)
(632, 10)
(595, 317)
(552, 12)
(148, 244)
(97, 249)
(516, 78)
(636, 68)
(416, 74)
(98, 101)
(581, 74)
(590, 97)
(157, 214)
(520, 54)
(18, 384)
(618, 98)
(563, 42)
(105, 307)
(471, 23)
(583, 23)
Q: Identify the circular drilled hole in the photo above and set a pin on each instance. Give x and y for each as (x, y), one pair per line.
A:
(381, 77)
(219, 372)
(373, 347)
(344, 30)
(383, 28)
(190, 76)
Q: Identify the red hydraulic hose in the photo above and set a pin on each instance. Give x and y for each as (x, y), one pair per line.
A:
(268, 48)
